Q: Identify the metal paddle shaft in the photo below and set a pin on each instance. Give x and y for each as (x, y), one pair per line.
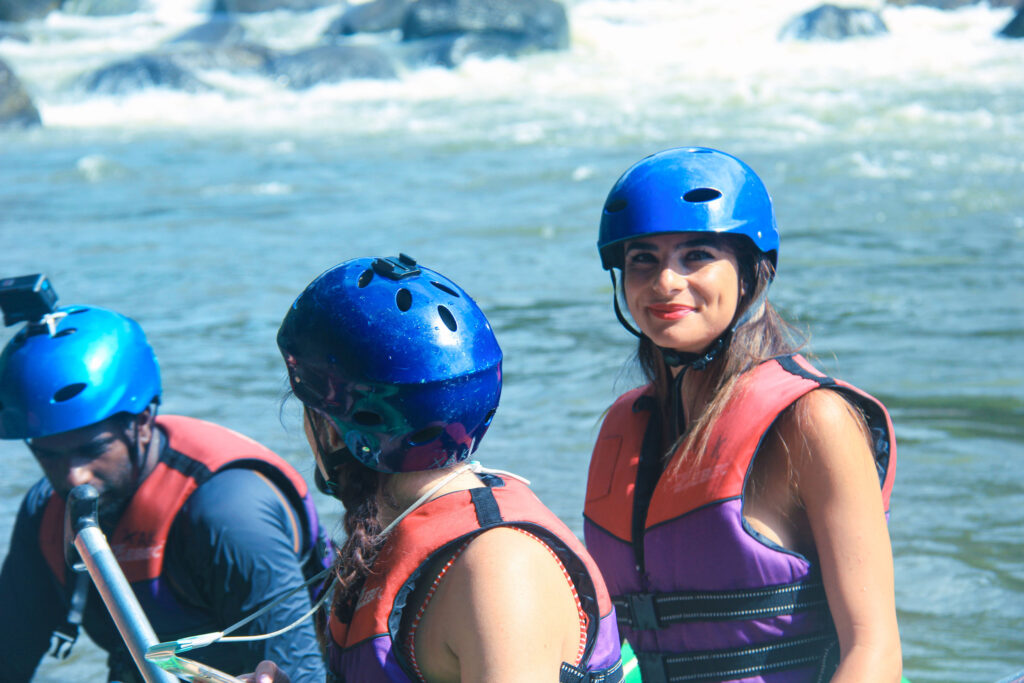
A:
(86, 544)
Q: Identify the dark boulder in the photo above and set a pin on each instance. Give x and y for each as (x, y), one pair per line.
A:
(139, 73)
(331, 64)
(26, 10)
(829, 22)
(533, 24)
(452, 49)
(16, 108)
(1015, 29)
(370, 17)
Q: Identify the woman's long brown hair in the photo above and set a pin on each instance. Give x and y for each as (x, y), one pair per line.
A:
(358, 488)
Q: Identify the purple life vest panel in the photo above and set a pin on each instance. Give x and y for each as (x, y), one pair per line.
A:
(365, 648)
(702, 596)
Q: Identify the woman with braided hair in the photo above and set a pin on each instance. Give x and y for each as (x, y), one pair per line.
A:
(450, 571)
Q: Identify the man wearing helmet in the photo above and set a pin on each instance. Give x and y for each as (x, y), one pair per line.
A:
(206, 524)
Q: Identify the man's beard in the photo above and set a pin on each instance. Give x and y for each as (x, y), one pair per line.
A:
(110, 511)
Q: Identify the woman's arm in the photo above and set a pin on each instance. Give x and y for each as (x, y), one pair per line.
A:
(504, 612)
(837, 482)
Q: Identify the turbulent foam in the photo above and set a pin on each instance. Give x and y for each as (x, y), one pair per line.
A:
(652, 65)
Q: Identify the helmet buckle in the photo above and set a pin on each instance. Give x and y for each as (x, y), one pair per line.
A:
(50, 320)
(396, 268)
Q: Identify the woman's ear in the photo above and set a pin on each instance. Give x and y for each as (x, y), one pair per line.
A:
(319, 427)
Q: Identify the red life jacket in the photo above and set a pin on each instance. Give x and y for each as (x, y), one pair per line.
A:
(196, 450)
(364, 649)
(714, 600)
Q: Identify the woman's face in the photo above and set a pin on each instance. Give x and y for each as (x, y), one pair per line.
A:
(681, 288)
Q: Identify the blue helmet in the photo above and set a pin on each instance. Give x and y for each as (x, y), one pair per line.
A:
(91, 365)
(399, 358)
(687, 189)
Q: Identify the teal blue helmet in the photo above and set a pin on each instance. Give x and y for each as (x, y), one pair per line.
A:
(90, 365)
(687, 189)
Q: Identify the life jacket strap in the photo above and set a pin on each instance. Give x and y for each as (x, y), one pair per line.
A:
(649, 611)
(574, 674)
(64, 636)
(726, 665)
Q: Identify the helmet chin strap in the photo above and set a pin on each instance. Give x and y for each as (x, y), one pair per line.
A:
(697, 361)
(327, 459)
(618, 309)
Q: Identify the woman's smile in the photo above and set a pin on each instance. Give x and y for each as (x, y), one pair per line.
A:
(670, 311)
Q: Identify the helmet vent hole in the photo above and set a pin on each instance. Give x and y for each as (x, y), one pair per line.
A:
(66, 332)
(77, 311)
(367, 418)
(617, 204)
(425, 435)
(444, 288)
(69, 392)
(365, 277)
(702, 194)
(488, 418)
(447, 318)
(404, 300)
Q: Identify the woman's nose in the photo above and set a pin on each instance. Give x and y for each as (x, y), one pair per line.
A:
(669, 281)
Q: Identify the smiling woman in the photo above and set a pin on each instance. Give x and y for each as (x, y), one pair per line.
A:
(737, 503)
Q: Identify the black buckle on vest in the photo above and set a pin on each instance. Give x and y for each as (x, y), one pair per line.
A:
(652, 667)
(62, 640)
(642, 613)
(64, 636)
(647, 611)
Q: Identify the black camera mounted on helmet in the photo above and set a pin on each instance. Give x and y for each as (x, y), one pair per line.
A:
(27, 298)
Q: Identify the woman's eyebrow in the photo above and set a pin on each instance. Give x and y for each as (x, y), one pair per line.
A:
(701, 240)
(636, 245)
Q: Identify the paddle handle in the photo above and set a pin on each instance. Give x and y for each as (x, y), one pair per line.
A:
(81, 526)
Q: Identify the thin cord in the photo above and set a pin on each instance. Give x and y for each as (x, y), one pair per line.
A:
(265, 636)
(196, 642)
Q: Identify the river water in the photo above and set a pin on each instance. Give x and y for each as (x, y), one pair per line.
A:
(896, 165)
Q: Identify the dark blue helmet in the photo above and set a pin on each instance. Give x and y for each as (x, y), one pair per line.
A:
(92, 364)
(687, 189)
(399, 358)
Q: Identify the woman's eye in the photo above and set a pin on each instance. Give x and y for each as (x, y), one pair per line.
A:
(698, 255)
(641, 257)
